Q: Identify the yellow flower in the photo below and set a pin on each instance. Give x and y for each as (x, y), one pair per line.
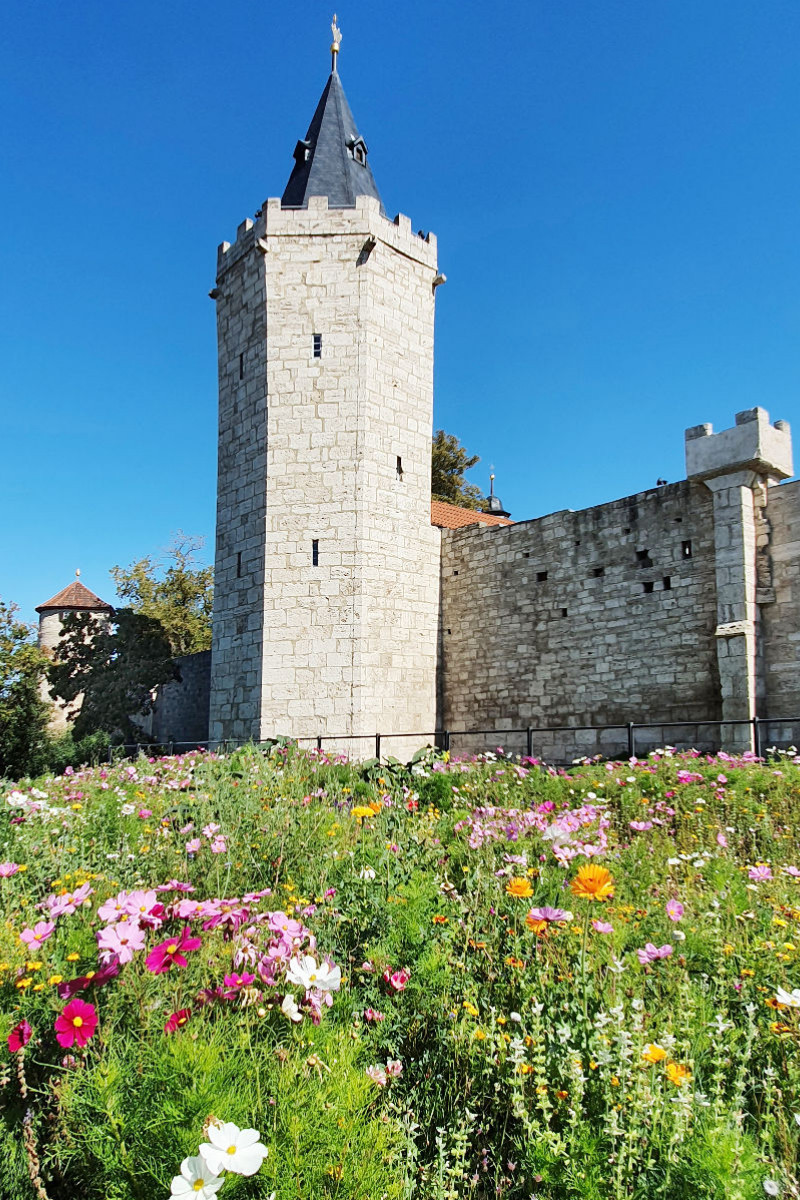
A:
(73, 957)
(511, 961)
(470, 1008)
(54, 979)
(654, 1053)
(479, 1035)
(677, 1074)
(592, 883)
(439, 920)
(361, 811)
(33, 966)
(614, 1081)
(22, 984)
(519, 887)
(335, 1172)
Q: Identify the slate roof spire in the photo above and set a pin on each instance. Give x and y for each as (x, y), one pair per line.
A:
(332, 158)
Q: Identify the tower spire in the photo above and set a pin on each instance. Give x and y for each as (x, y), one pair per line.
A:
(335, 44)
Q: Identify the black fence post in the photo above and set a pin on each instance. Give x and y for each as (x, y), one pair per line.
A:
(529, 742)
(757, 737)
(446, 741)
(319, 742)
(378, 746)
(631, 740)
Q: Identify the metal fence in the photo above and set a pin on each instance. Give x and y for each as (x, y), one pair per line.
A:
(555, 744)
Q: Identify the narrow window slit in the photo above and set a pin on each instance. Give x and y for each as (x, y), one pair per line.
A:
(686, 549)
(241, 366)
(317, 345)
(239, 564)
(667, 583)
(399, 467)
(315, 552)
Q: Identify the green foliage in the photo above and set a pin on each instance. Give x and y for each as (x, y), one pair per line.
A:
(65, 750)
(449, 461)
(524, 1052)
(109, 670)
(23, 712)
(174, 591)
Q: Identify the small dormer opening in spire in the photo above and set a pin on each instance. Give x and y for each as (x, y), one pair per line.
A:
(331, 160)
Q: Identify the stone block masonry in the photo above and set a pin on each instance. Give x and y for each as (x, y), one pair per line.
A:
(592, 617)
(330, 482)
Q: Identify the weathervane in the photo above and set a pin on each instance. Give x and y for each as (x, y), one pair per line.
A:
(337, 38)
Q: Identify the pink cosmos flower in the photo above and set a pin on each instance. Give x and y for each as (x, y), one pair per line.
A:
(177, 1020)
(372, 1014)
(20, 1036)
(722, 840)
(219, 845)
(286, 926)
(378, 1075)
(41, 931)
(140, 903)
(173, 951)
(120, 940)
(760, 873)
(397, 980)
(550, 915)
(210, 830)
(113, 908)
(7, 869)
(602, 927)
(193, 846)
(641, 826)
(793, 871)
(174, 885)
(394, 1068)
(674, 910)
(144, 813)
(77, 1023)
(652, 953)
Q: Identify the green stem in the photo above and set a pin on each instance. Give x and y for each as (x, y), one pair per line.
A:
(583, 969)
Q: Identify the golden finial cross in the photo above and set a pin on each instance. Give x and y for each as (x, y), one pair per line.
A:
(337, 38)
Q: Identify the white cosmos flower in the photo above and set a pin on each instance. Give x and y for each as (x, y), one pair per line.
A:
(230, 1148)
(790, 999)
(306, 973)
(196, 1179)
(290, 1009)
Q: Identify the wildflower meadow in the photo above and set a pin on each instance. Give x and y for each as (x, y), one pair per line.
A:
(277, 974)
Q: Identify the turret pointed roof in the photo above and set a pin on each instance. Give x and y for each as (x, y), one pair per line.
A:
(76, 596)
(332, 159)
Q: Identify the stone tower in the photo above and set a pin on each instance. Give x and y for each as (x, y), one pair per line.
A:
(71, 599)
(327, 568)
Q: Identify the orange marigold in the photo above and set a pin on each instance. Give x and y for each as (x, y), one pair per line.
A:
(519, 887)
(593, 883)
(677, 1074)
(654, 1053)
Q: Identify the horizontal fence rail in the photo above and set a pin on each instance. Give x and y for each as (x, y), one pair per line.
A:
(631, 740)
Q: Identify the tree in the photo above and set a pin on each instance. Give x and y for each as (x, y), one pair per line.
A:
(109, 669)
(24, 713)
(174, 591)
(449, 461)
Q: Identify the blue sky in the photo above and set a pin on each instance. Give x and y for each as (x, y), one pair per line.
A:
(615, 189)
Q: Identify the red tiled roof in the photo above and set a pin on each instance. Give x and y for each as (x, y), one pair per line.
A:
(449, 516)
(75, 595)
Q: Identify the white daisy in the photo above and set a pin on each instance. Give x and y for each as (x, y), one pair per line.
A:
(196, 1179)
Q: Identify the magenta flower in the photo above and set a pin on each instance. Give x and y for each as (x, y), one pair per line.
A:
(177, 1020)
(286, 926)
(77, 1023)
(171, 952)
(120, 940)
(602, 927)
(20, 1036)
(674, 910)
(93, 978)
(7, 869)
(372, 1014)
(239, 981)
(760, 873)
(41, 931)
(144, 813)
